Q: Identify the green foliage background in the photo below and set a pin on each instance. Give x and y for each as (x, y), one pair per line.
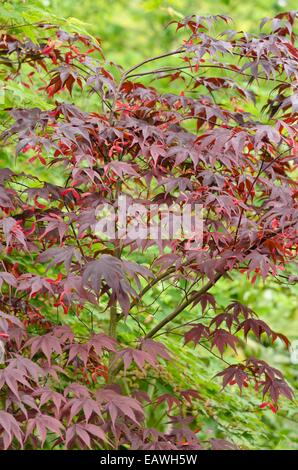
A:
(131, 31)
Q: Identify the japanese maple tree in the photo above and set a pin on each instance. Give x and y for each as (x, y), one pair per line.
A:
(208, 142)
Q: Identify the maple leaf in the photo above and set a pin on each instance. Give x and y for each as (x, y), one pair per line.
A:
(190, 394)
(170, 400)
(55, 224)
(60, 255)
(256, 326)
(134, 269)
(34, 284)
(76, 389)
(121, 169)
(8, 321)
(270, 378)
(8, 278)
(10, 429)
(275, 388)
(27, 367)
(234, 374)
(13, 327)
(206, 299)
(109, 269)
(47, 344)
(196, 333)
(6, 199)
(239, 309)
(84, 432)
(101, 342)
(155, 349)
(12, 378)
(222, 444)
(64, 333)
(226, 317)
(120, 405)
(282, 337)
(47, 395)
(130, 355)
(12, 230)
(26, 403)
(97, 343)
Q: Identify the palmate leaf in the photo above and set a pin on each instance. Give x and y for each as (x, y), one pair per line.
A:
(8, 279)
(196, 333)
(46, 394)
(268, 379)
(169, 399)
(155, 349)
(271, 380)
(149, 353)
(121, 168)
(129, 355)
(222, 444)
(61, 255)
(27, 367)
(47, 344)
(275, 388)
(87, 405)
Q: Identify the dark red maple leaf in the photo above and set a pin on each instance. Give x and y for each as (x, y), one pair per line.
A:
(234, 374)
(196, 333)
